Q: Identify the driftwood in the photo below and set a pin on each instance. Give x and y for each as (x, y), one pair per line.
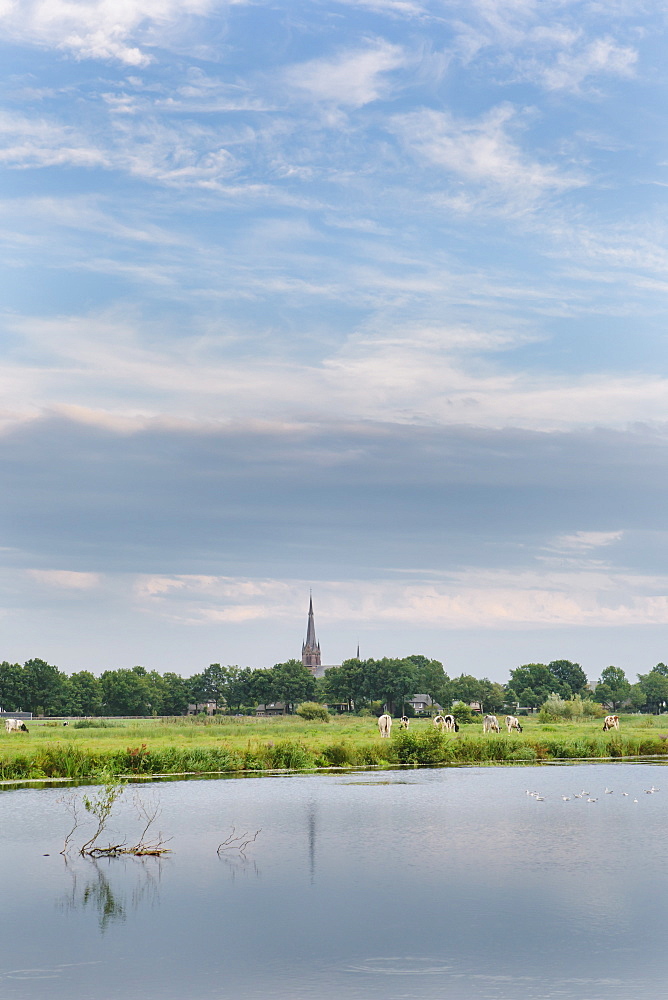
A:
(238, 842)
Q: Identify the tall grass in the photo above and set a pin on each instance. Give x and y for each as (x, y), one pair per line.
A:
(253, 745)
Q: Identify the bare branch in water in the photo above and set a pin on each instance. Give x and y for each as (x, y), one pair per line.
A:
(239, 842)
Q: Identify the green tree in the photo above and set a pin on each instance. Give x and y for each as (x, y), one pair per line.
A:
(613, 689)
(239, 687)
(261, 687)
(175, 695)
(492, 696)
(83, 694)
(654, 686)
(570, 677)
(391, 681)
(533, 683)
(466, 688)
(292, 683)
(125, 692)
(216, 682)
(44, 687)
(346, 685)
(12, 687)
(431, 679)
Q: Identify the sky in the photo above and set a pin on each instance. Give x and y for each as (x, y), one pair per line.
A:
(363, 297)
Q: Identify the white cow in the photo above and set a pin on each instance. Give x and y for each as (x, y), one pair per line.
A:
(15, 726)
(610, 722)
(490, 724)
(385, 724)
(439, 722)
(404, 722)
(513, 723)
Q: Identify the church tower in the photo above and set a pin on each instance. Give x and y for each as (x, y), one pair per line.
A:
(311, 648)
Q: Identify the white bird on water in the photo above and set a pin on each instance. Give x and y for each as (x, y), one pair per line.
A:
(608, 791)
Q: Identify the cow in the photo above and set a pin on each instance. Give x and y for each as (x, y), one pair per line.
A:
(404, 722)
(385, 724)
(490, 724)
(15, 726)
(610, 722)
(447, 723)
(513, 723)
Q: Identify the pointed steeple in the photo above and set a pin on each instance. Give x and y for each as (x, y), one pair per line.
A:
(311, 648)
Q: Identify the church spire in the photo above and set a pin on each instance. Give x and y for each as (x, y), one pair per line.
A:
(311, 648)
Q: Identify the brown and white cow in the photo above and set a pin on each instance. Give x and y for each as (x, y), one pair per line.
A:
(610, 722)
(385, 724)
(15, 726)
(513, 723)
(490, 724)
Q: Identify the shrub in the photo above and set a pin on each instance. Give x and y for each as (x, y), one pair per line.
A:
(464, 715)
(311, 711)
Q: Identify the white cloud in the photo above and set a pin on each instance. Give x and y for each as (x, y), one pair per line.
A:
(575, 64)
(488, 599)
(61, 579)
(481, 152)
(351, 78)
(98, 29)
(583, 541)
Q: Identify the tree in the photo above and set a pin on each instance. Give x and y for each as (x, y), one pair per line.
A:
(83, 694)
(262, 686)
(292, 682)
(570, 677)
(431, 679)
(346, 685)
(613, 688)
(492, 696)
(216, 681)
(44, 687)
(533, 683)
(391, 681)
(12, 686)
(466, 688)
(654, 686)
(126, 692)
(239, 687)
(176, 695)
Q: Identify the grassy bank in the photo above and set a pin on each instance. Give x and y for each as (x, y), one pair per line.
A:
(144, 747)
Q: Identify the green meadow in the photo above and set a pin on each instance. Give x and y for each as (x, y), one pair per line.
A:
(246, 744)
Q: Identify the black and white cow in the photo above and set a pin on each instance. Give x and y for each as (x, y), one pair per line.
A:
(15, 726)
(513, 723)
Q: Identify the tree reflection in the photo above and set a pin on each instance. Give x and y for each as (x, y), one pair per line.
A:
(104, 890)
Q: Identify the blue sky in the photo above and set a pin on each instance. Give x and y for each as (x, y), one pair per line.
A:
(367, 297)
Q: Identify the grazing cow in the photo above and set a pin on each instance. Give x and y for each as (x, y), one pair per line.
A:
(513, 723)
(439, 722)
(404, 722)
(15, 726)
(490, 724)
(450, 724)
(385, 724)
(610, 722)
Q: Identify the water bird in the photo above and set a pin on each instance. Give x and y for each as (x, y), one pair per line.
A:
(592, 800)
(650, 791)
(608, 791)
(566, 798)
(540, 798)
(635, 800)
(625, 793)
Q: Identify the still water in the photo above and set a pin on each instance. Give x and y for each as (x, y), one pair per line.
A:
(449, 883)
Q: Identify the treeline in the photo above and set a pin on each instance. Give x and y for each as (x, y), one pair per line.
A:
(43, 689)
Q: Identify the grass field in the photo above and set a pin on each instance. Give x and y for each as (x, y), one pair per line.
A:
(226, 744)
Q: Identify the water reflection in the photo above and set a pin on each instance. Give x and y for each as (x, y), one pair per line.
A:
(101, 887)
